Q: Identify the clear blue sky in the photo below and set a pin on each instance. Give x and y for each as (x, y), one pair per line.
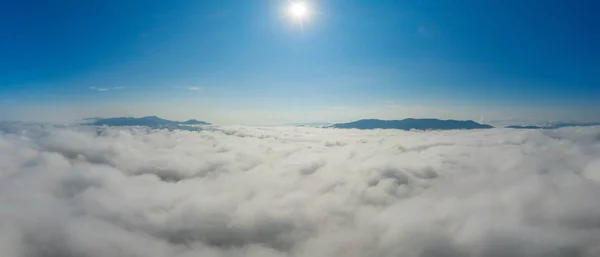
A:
(245, 61)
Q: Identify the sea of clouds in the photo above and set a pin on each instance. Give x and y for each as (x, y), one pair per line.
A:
(69, 191)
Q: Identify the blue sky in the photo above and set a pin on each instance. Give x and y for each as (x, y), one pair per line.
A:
(248, 62)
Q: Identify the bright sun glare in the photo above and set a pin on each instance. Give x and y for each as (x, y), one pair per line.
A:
(298, 10)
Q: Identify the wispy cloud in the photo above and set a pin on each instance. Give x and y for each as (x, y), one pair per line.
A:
(103, 89)
(194, 88)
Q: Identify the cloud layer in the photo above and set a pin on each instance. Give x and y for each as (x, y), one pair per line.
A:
(242, 191)
(103, 89)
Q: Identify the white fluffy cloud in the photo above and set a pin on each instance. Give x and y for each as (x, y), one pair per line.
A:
(243, 191)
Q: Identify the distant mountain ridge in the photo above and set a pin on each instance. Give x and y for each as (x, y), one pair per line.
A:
(410, 123)
(553, 126)
(195, 122)
(150, 121)
(524, 127)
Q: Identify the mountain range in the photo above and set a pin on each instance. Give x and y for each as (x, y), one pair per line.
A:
(150, 121)
(553, 126)
(405, 124)
(408, 124)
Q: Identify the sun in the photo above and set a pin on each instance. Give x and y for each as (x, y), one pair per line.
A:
(298, 10)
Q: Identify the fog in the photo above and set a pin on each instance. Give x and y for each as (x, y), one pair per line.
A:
(70, 191)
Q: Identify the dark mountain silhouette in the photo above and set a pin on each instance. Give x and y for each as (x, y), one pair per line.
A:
(554, 126)
(150, 121)
(562, 125)
(408, 124)
(524, 127)
(195, 122)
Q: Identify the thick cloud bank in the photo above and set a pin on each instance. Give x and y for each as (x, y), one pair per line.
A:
(240, 191)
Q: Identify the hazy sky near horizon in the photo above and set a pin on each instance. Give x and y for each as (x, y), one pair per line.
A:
(248, 62)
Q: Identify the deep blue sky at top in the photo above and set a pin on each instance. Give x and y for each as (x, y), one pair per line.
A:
(247, 54)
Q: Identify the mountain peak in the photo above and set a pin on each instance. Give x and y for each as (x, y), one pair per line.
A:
(150, 121)
(195, 122)
(412, 123)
